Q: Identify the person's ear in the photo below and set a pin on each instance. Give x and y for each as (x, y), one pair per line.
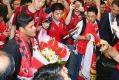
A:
(21, 29)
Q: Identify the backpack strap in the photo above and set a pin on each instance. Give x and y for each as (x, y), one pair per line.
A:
(98, 23)
(22, 9)
(50, 21)
(84, 25)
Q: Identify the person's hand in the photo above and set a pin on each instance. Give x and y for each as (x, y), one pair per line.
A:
(46, 25)
(72, 1)
(6, 33)
(6, 2)
(97, 2)
(0, 33)
(87, 37)
(115, 28)
(61, 1)
(105, 48)
(72, 6)
(109, 51)
(1, 43)
(12, 32)
(39, 28)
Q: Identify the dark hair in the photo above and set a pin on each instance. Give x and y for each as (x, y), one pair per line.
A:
(56, 77)
(57, 6)
(10, 68)
(93, 9)
(22, 20)
(24, 2)
(102, 2)
(48, 70)
(3, 11)
(116, 2)
(50, 77)
(82, 2)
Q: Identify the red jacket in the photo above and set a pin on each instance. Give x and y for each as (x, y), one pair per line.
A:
(58, 32)
(38, 16)
(82, 44)
(86, 6)
(69, 1)
(2, 36)
(74, 20)
(107, 8)
(117, 48)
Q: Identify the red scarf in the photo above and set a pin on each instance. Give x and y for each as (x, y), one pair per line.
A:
(25, 67)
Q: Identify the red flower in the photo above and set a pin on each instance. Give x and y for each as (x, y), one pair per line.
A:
(61, 52)
(53, 44)
(42, 45)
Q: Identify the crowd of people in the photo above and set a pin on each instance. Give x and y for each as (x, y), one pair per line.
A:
(89, 29)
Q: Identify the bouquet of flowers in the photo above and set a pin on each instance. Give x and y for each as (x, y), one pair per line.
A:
(50, 51)
(53, 51)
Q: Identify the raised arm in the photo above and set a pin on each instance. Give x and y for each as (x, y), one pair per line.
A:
(98, 7)
(68, 18)
(10, 12)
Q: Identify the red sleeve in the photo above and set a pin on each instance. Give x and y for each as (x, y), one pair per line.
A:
(107, 8)
(69, 1)
(3, 38)
(2, 29)
(97, 39)
(117, 66)
(17, 11)
(117, 46)
(42, 15)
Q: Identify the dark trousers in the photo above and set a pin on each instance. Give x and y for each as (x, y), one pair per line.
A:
(71, 62)
(105, 73)
(74, 63)
(77, 66)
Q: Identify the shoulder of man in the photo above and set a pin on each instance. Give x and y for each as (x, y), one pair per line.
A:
(105, 16)
(12, 47)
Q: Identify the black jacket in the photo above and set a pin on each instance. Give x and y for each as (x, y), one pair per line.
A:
(105, 30)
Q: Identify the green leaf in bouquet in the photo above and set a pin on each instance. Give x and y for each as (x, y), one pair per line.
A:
(61, 61)
(33, 49)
